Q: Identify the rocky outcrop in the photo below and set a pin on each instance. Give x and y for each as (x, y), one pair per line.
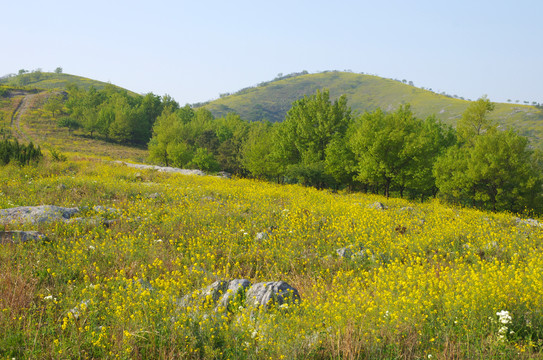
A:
(163, 168)
(223, 293)
(16, 237)
(36, 214)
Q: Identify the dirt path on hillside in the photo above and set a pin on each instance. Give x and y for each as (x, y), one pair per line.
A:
(16, 117)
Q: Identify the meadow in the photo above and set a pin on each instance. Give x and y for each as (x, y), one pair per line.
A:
(425, 280)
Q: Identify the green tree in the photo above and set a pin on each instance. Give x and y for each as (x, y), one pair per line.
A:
(257, 155)
(58, 70)
(496, 171)
(204, 160)
(384, 148)
(54, 104)
(308, 129)
(475, 120)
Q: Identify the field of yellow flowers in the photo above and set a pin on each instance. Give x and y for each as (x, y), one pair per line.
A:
(423, 280)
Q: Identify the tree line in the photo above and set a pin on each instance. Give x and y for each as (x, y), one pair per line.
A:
(321, 143)
(111, 113)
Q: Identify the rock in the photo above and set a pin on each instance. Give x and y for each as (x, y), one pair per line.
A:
(407, 209)
(36, 214)
(93, 221)
(529, 222)
(104, 209)
(268, 293)
(344, 252)
(61, 186)
(220, 293)
(154, 195)
(138, 176)
(262, 236)
(15, 237)
(224, 175)
(236, 287)
(378, 206)
(349, 253)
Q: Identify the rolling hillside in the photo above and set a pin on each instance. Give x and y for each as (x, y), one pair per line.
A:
(53, 81)
(272, 100)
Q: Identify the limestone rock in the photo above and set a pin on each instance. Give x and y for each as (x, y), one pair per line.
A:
(378, 206)
(261, 236)
(267, 293)
(36, 214)
(220, 293)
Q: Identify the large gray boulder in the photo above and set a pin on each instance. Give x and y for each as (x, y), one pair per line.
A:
(15, 237)
(268, 293)
(220, 293)
(36, 214)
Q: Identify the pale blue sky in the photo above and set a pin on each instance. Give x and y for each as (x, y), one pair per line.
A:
(195, 50)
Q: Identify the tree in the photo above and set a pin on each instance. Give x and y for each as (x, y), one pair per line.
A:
(58, 70)
(309, 127)
(475, 119)
(496, 171)
(398, 150)
(257, 155)
(54, 104)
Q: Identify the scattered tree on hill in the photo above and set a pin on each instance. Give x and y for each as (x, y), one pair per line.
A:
(54, 104)
(58, 70)
(475, 120)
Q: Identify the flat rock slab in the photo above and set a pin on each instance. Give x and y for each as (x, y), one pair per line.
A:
(16, 237)
(36, 214)
(163, 168)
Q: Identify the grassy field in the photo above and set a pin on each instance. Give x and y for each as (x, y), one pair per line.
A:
(272, 100)
(427, 280)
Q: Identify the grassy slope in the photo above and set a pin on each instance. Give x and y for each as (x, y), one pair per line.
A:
(37, 124)
(366, 92)
(53, 81)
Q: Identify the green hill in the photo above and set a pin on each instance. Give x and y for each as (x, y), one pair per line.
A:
(52, 81)
(271, 100)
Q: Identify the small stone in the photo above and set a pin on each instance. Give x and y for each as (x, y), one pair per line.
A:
(262, 236)
(378, 206)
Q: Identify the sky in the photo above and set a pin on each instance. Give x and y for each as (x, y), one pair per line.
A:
(196, 50)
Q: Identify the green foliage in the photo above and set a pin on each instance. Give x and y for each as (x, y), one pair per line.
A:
(257, 153)
(397, 149)
(114, 114)
(204, 160)
(56, 155)
(69, 123)
(54, 104)
(310, 126)
(12, 151)
(475, 120)
(495, 171)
